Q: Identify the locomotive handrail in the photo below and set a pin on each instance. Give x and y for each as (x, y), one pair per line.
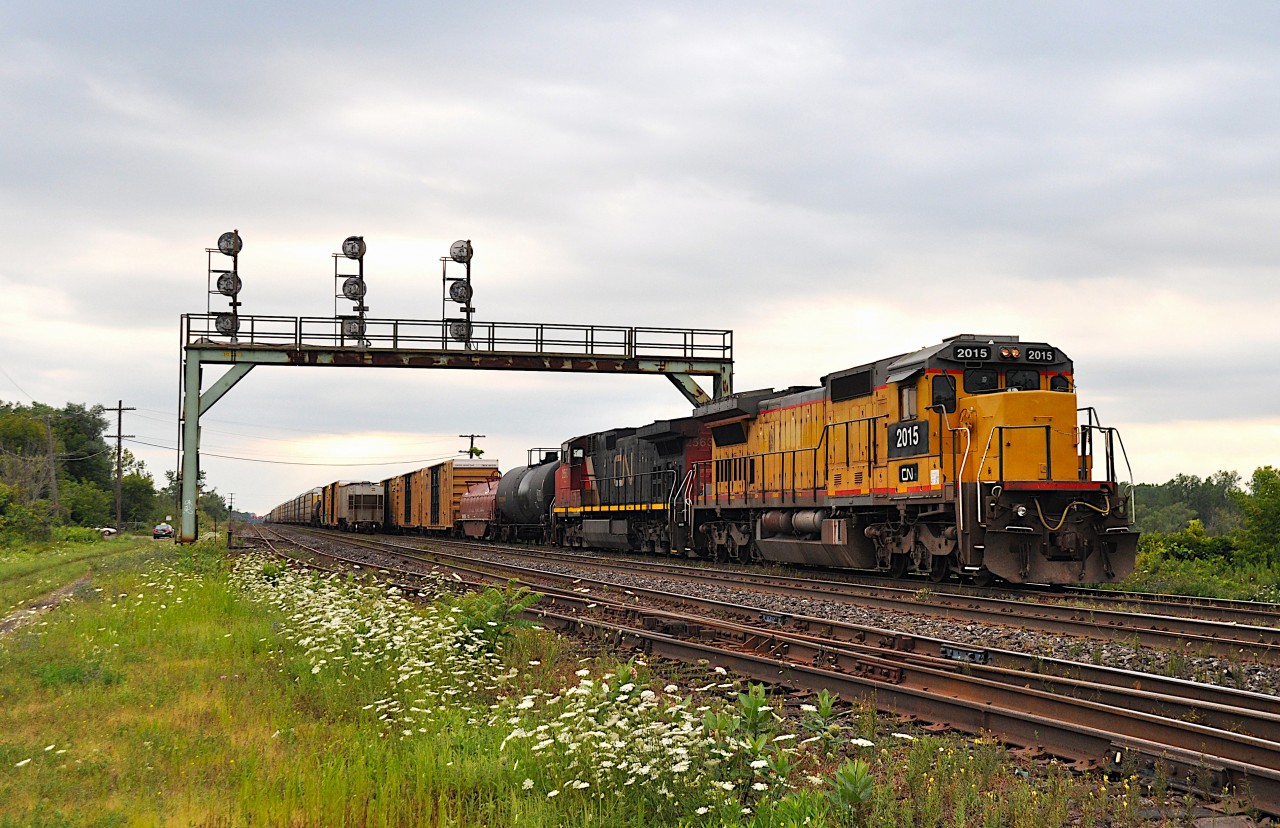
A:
(871, 442)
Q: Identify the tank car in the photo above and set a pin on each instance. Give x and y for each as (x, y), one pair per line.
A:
(523, 499)
(969, 456)
(619, 489)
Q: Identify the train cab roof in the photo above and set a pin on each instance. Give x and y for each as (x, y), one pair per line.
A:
(955, 353)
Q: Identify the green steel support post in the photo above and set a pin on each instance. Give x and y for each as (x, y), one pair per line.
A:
(190, 447)
(195, 404)
(693, 392)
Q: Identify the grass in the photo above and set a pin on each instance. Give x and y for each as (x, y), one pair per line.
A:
(184, 690)
(30, 571)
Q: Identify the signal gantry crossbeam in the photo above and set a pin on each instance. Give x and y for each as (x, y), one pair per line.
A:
(678, 353)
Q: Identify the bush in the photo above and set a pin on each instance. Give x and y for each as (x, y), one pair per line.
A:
(1190, 543)
(76, 534)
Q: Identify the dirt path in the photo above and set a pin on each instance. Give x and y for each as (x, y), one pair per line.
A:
(28, 614)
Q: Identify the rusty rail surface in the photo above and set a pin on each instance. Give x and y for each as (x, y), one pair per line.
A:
(1190, 636)
(1092, 723)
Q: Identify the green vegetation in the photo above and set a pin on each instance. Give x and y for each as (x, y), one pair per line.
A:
(183, 689)
(56, 469)
(1210, 537)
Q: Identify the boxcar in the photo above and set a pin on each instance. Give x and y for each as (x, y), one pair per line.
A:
(426, 500)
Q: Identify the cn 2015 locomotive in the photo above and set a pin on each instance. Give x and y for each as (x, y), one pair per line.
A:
(966, 457)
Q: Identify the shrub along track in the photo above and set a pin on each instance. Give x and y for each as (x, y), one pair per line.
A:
(1210, 738)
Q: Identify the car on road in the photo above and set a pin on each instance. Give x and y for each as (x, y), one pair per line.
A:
(162, 530)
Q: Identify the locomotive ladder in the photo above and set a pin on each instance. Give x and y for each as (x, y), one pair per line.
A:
(679, 354)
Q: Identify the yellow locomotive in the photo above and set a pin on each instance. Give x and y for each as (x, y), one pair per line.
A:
(966, 457)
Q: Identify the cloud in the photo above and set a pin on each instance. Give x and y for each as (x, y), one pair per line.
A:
(833, 182)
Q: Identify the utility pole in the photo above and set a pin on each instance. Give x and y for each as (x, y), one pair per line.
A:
(119, 437)
(53, 466)
(470, 452)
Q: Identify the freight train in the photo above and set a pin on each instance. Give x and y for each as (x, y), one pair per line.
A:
(968, 457)
(423, 501)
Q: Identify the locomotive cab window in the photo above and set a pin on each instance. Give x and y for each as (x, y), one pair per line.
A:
(944, 392)
(980, 380)
(1022, 379)
(1059, 382)
(907, 402)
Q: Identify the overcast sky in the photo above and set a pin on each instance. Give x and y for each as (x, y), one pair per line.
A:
(835, 182)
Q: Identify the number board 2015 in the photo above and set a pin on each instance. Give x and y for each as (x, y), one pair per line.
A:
(971, 353)
(908, 439)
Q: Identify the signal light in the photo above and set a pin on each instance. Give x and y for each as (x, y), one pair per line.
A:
(353, 288)
(460, 292)
(227, 323)
(353, 247)
(229, 283)
(460, 251)
(229, 244)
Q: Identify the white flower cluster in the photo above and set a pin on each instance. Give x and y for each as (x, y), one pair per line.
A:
(371, 636)
(605, 737)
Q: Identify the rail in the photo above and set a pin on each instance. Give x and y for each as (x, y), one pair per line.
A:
(293, 332)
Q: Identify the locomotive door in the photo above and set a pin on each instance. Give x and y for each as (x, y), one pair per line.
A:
(435, 496)
(406, 488)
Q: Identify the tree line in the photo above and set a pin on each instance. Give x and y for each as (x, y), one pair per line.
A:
(56, 469)
(1215, 517)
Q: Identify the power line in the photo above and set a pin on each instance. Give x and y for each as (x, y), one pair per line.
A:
(15, 384)
(297, 462)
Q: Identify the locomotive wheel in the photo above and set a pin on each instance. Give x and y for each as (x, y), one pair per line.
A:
(898, 566)
(940, 568)
(984, 577)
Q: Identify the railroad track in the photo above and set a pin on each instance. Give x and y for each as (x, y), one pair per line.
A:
(1182, 634)
(1208, 736)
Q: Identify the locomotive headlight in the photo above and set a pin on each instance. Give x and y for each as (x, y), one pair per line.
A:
(1015, 352)
(1005, 353)
(1021, 511)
